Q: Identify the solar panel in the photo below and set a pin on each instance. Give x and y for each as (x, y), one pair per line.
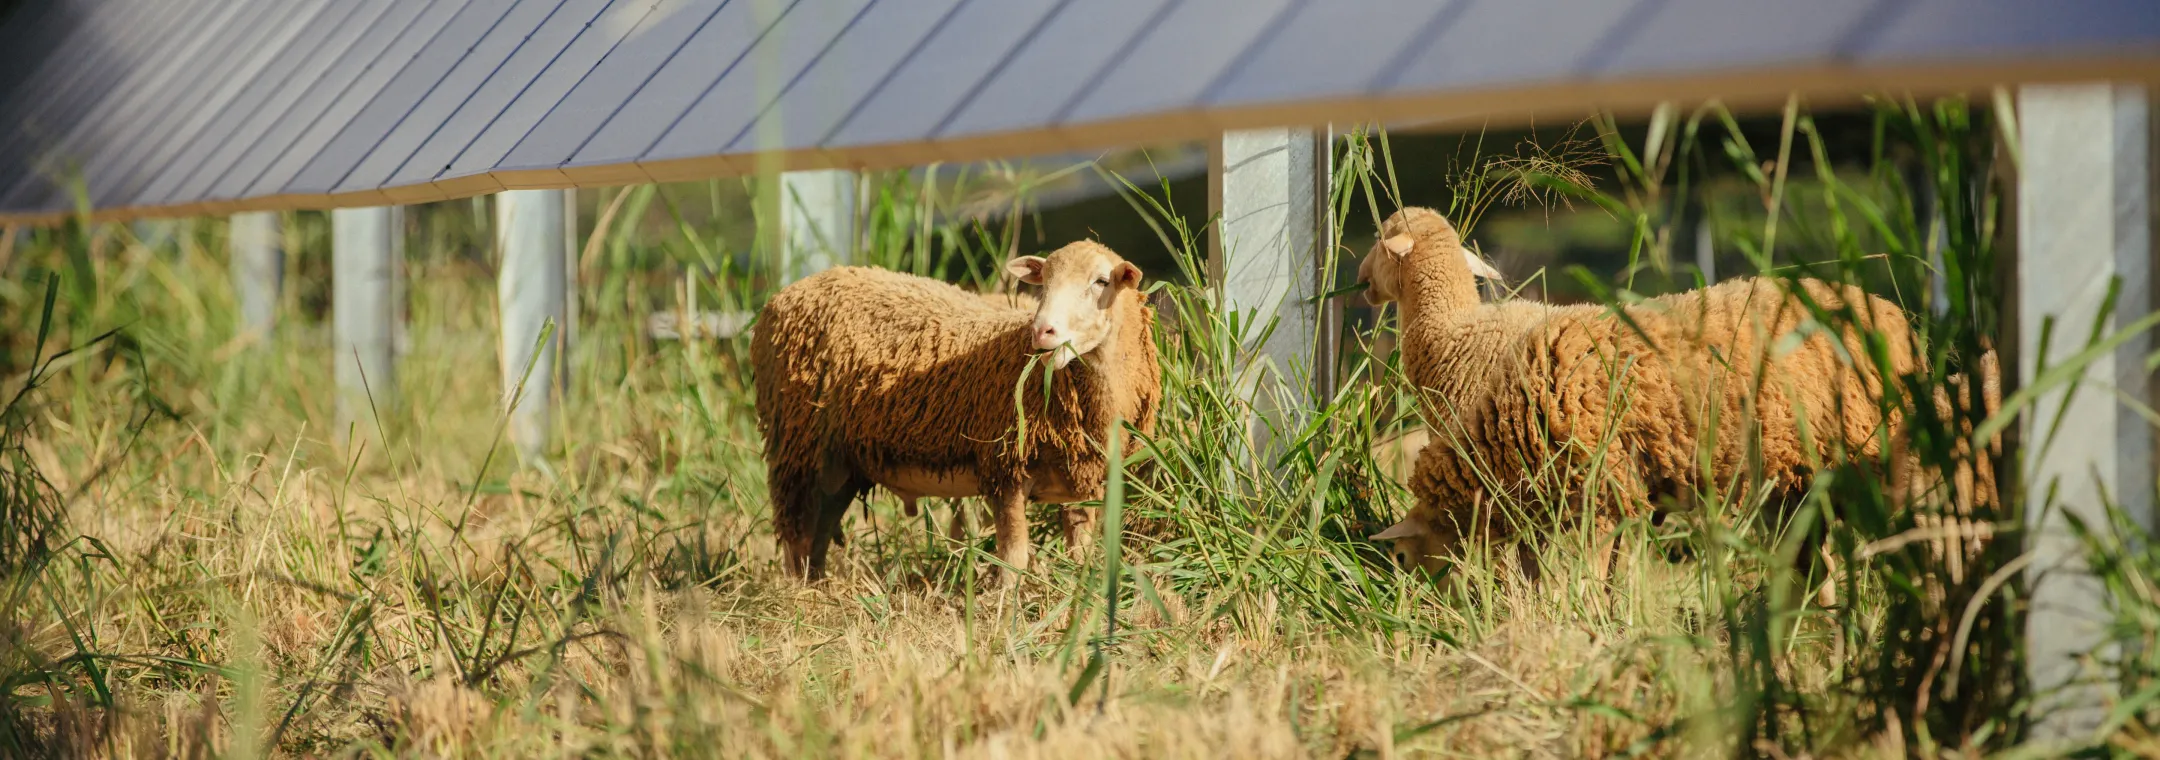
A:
(211, 106)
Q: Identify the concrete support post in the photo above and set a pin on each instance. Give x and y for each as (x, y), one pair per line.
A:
(257, 239)
(1705, 251)
(1272, 254)
(1705, 248)
(573, 248)
(1938, 279)
(2084, 205)
(367, 273)
(817, 212)
(532, 230)
(1927, 213)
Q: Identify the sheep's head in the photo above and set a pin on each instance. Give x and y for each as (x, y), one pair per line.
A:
(1381, 271)
(1081, 284)
(1416, 544)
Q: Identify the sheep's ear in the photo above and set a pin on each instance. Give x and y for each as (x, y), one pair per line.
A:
(1125, 275)
(1479, 267)
(1399, 245)
(1405, 529)
(1027, 269)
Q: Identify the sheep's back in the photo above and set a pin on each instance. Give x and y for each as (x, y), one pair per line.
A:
(907, 369)
(1732, 361)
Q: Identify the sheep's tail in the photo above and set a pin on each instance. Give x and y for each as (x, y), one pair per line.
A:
(791, 479)
(794, 516)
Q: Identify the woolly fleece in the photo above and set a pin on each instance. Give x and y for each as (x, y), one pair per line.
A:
(1635, 390)
(861, 372)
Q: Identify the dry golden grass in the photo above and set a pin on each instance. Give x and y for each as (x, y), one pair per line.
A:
(264, 593)
(765, 666)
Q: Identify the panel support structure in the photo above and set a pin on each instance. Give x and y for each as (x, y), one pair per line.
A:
(367, 263)
(533, 229)
(1271, 255)
(1705, 250)
(2084, 222)
(257, 239)
(818, 211)
(1928, 215)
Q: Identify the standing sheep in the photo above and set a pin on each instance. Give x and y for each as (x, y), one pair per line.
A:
(1645, 390)
(869, 377)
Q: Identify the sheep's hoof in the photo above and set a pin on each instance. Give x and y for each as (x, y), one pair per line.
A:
(1004, 580)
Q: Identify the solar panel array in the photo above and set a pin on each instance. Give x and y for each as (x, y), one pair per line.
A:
(167, 107)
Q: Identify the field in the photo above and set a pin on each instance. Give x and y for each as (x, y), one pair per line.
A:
(201, 563)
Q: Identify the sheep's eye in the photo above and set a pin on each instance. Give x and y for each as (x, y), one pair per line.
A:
(1102, 282)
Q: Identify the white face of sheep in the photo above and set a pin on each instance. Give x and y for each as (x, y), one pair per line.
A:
(1080, 288)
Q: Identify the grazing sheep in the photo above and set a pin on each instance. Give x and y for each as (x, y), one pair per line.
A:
(1634, 389)
(869, 377)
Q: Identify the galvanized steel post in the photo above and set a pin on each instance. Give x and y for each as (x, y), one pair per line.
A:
(817, 212)
(257, 239)
(367, 275)
(532, 227)
(2084, 223)
(1272, 256)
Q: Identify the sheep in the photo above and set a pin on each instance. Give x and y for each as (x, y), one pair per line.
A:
(1010, 300)
(869, 377)
(957, 529)
(1531, 390)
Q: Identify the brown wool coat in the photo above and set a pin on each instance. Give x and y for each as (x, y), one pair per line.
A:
(1725, 371)
(1527, 390)
(873, 370)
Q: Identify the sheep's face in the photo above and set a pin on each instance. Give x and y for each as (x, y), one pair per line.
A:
(1416, 545)
(1381, 271)
(1081, 284)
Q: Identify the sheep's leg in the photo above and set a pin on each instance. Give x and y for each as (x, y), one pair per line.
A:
(1079, 524)
(1604, 546)
(831, 506)
(959, 530)
(1826, 596)
(1624, 495)
(1008, 509)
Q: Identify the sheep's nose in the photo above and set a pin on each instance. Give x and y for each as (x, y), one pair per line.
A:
(1047, 337)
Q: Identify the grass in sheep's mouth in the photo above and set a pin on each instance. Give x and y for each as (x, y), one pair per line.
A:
(228, 580)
